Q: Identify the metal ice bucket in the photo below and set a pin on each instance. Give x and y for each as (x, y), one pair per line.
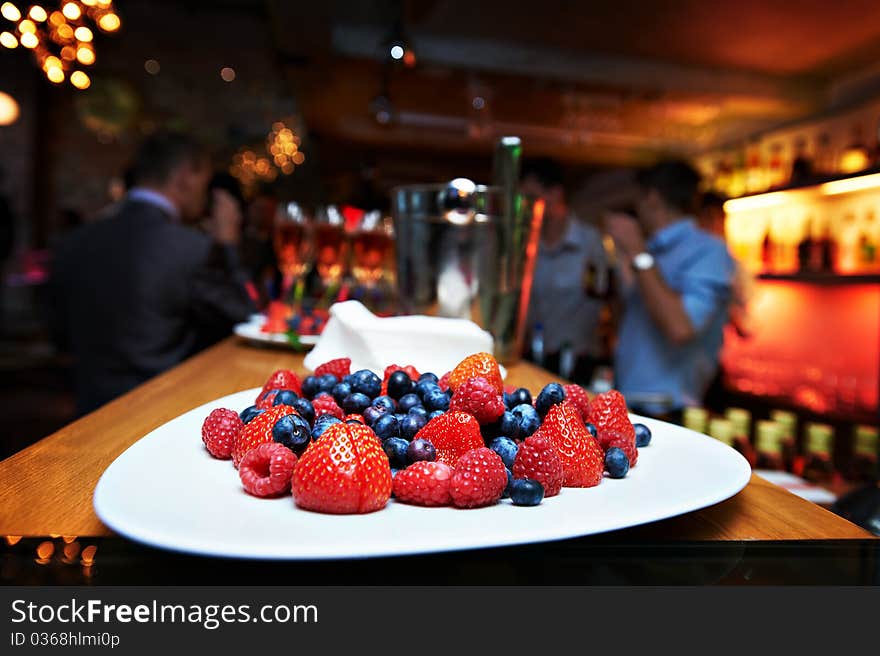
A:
(461, 254)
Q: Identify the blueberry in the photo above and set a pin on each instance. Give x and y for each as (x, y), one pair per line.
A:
(354, 421)
(340, 391)
(435, 414)
(394, 472)
(592, 430)
(399, 384)
(285, 397)
(616, 462)
(372, 413)
(508, 425)
(420, 450)
(293, 432)
(428, 376)
(411, 425)
(366, 382)
(506, 448)
(348, 379)
(419, 410)
(305, 409)
(527, 418)
(387, 426)
(408, 401)
(395, 449)
(643, 435)
(425, 387)
(549, 396)
(322, 423)
(310, 386)
(436, 400)
(327, 382)
(355, 403)
(519, 396)
(400, 416)
(506, 493)
(526, 492)
(249, 413)
(386, 402)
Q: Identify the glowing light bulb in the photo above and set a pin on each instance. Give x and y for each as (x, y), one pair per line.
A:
(56, 18)
(38, 14)
(227, 74)
(298, 157)
(80, 80)
(9, 112)
(10, 12)
(85, 55)
(397, 52)
(8, 40)
(55, 75)
(109, 22)
(83, 34)
(51, 62)
(71, 11)
(27, 26)
(65, 32)
(68, 53)
(152, 67)
(29, 40)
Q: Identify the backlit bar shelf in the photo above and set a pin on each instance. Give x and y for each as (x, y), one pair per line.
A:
(823, 278)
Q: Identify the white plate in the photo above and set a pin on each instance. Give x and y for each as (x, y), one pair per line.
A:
(252, 331)
(166, 491)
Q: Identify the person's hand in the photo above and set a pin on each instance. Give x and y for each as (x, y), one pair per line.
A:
(225, 223)
(626, 233)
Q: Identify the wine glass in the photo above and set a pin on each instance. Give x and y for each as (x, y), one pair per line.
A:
(331, 252)
(294, 248)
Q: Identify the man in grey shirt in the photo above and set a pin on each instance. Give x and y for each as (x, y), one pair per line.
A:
(570, 275)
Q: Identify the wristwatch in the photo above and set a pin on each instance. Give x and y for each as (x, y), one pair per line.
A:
(643, 262)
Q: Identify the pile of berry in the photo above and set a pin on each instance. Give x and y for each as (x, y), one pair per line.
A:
(344, 442)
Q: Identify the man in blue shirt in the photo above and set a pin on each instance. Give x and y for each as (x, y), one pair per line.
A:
(675, 305)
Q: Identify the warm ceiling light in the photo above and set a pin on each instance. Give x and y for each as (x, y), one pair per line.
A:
(227, 74)
(29, 40)
(88, 3)
(761, 201)
(8, 40)
(10, 12)
(298, 157)
(27, 26)
(8, 109)
(38, 14)
(68, 53)
(71, 10)
(152, 67)
(850, 185)
(397, 52)
(55, 75)
(80, 80)
(85, 55)
(109, 22)
(65, 32)
(56, 18)
(52, 62)
(83, 34)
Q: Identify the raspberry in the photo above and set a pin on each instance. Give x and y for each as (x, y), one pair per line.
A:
(622, 442)
(479, 479)
(478, 397)
(219, 432)
(258, 431)
(424, 484)
(537, 459)
(452, 435)
(340, 367)
(478, 364)
(283, 379)
(265, 471)
(410, 370)
(443, 383)
(577, 396)
(325, 405)
(581, 456)
(608, 414)
(344, 472)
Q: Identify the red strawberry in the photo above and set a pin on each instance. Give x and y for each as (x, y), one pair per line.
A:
(219, 432)
(258, 431)
(344, 472)
(340, 367)
(608, 415)
(581, 456)
(283, 379)
(443, 383)
(479, 479)
(266, 399)
(324, 404)
(478, 364)
(479, 398)
(357, 418)
(537, 459)
(266, 470)
(424, 484)
(577, 396)
(452, 435)
(410, 370)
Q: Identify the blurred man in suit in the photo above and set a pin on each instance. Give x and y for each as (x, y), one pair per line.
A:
(138, 291)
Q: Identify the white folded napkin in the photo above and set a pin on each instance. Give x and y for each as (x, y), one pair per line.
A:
(433, 344)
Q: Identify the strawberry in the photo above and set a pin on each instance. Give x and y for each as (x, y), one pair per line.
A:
(282, 379)
(443, 383)
(479, 398)
(608, 414)
(478, 364)
(265, 471)
(219, 432)
(344, 472)
(410, 370)
(424, 484)
(324, 404)
(581, 455)
(479, 479)
(340, 367)
(577, 396)
(452, 435)
(537, 459)
(266, 399)
(258, 431)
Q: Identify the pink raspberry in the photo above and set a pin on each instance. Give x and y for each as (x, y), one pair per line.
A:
(266, 470)
(324, 404)
(219, 432)
(424, 484)
(479, 479)
(479, 398)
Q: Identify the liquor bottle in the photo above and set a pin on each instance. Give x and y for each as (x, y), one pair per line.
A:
(818, 464)
(863, 464)
(824, 160)
(806, 246)
(741, 420)
(756, 179)
(722, 430)
(695, 419)
(868, 243)
(822, 250)
(802, 164)
(768, 446)
(776, 172)
(787, 422)
(738, 175)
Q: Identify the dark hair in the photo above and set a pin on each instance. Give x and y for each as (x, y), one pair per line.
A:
(161, 153)
(545, 170)
(676, 181)
(712, 199)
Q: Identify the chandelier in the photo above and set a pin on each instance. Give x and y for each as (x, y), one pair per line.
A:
(283, 154)
(61, 40)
